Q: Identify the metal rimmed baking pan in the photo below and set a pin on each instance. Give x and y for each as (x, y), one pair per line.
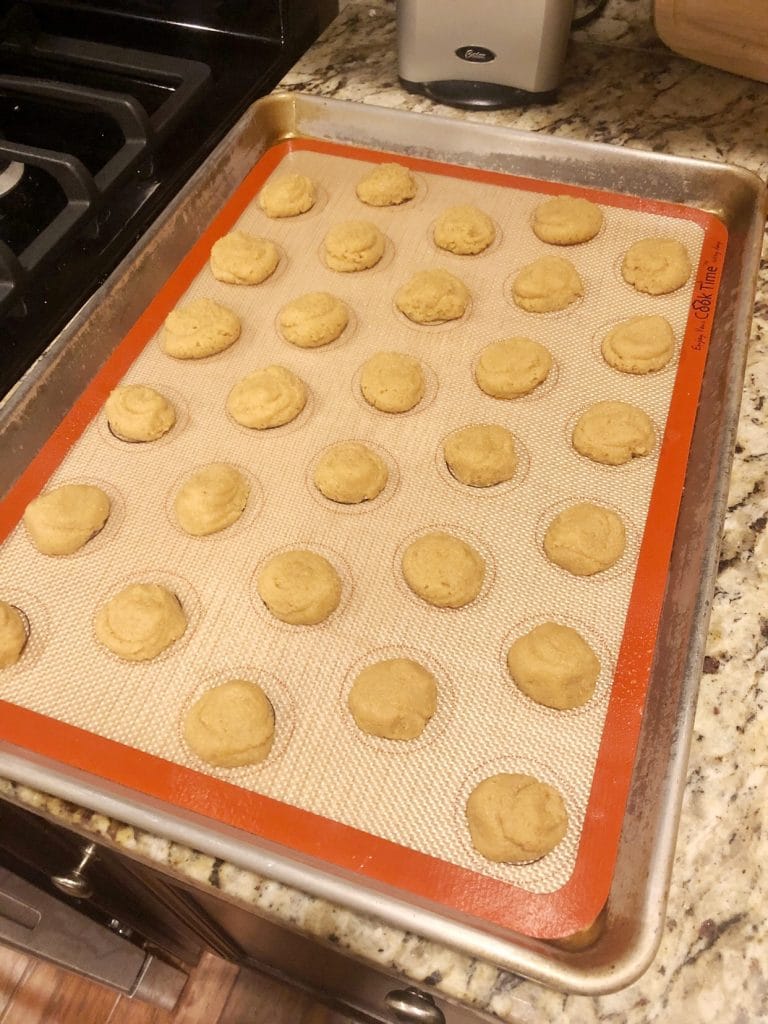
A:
(635, 904)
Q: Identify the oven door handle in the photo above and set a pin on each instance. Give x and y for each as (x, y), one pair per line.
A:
(35, 922)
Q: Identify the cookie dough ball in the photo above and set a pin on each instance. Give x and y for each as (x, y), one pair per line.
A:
(443, 570)
(432, 297)
(548, 284)
(585, 539)
(299, 587)
(567, 220)
(313, 320)
(350, 472)
(238, 258)
(61, 521)
(231, 725)
(287, 195)
(640, 344)
(584, 937)
(555, 666)
(138, 413)
(140, 622)
(656, 266)
(481, 455)
(13, 634)
(393, 699)
(464, 230)
(353, 245)
(613, 433)
(267, 398)
(515, 818)
(200, 329)
(211, 499)
(512, 367)
(392, 382)
(386, 185)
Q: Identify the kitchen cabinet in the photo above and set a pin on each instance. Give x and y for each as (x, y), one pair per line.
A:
(167, 924)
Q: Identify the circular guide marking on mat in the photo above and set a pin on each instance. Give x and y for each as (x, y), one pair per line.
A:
(178, 585)
(435, 728)
(361, 507)
(283, 706)
(480, 546)
(624, 564)
(338, 562)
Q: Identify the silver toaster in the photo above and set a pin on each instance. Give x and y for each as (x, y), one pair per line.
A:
(482, 53)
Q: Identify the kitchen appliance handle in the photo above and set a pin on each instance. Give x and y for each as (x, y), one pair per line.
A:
(411, 1006)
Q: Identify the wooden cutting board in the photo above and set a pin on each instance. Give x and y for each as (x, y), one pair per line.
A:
(732, 35)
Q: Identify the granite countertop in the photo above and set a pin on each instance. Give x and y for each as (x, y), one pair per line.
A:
(622, 86)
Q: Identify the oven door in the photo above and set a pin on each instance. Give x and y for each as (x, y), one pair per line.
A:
(81, 906)
(35, 922)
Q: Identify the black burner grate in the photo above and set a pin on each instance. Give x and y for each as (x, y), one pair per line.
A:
(103, 169)
(110, 135)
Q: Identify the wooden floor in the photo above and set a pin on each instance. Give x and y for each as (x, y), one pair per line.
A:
(34, 992)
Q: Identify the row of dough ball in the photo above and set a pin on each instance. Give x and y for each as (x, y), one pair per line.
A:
(466, 230)
(213, 497)
(563, 220)
(512, 818)
(550, 283)
(204, 327)
(652, 265)
(233, 724)
(301, 587)
(480, 455)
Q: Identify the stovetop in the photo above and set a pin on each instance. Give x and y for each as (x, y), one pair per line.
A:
(105, 111)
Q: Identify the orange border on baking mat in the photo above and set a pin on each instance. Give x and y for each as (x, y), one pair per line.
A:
(340, 847)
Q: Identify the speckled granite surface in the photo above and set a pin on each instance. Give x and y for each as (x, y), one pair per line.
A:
(621, 87)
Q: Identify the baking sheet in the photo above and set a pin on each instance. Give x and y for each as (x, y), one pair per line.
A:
(637, 893)
(409, 794)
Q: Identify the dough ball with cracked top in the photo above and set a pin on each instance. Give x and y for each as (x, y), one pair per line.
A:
(350, 472)
(266, 398)
(548, 284)
(299, 587)
(211, 499)
(313, 320)
(231, 725)
(63, 520)
(464, 230)
(613, 433)
(353, 245)
(640, 344)
(443, 570)
(567, 220)
(386, 185)
(512, 367)
(554, 665)
(138, 413)
(238, 258)
(432, 297)
(200, 329)
(656, 266)
(394, 699)
(287, 195)
(585, 539)
(481, 455)
(13, 634)
(515, 818)
(140, 622)
(392, 382)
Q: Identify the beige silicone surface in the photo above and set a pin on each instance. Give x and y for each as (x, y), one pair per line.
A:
(412, 793)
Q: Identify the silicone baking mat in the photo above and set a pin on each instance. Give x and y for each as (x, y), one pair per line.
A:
(393, 812)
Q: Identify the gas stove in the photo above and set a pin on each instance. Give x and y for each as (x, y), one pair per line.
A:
(105, 111)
